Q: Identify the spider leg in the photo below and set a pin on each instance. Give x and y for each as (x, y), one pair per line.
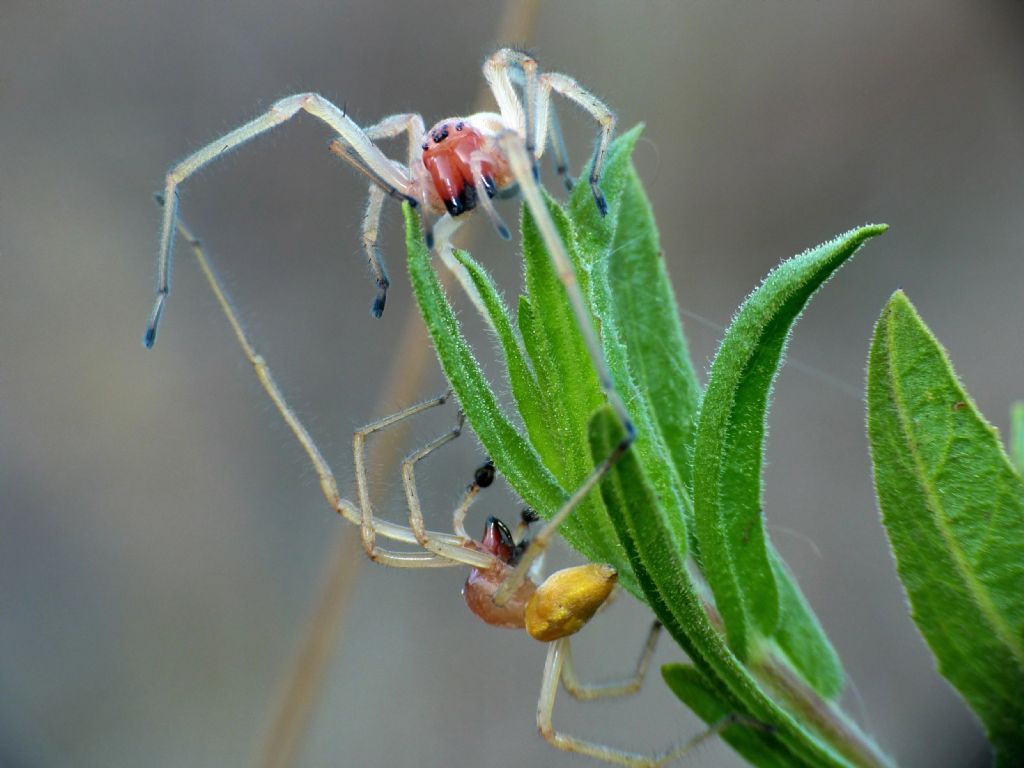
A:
(570, 89)
(371, 229)
(387, 174)
(559, 153)
(482, 478)
(498, 72)
(446, 548)
(452, 552)
(519, 162)
(554, 667)
(486, 191)
(613, 688)
(504, 69)
(412, 125)
(328, 483)
(390, 127)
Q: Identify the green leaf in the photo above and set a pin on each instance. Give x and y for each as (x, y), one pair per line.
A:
(565, 373)
(712, 705)
(511, 452)
(625, 329)
(532, 406)
(953, 507)
(730, 441)
(1017, 435)
(800, 637)
(650, 329)
(659, 561)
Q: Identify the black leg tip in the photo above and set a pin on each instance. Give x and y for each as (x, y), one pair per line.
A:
(150, 338)
(602, 204)
(159, 197)
(504, 233)
(429, 238)
(569, 183)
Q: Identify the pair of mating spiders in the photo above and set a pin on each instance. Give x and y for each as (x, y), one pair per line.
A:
(460, 164)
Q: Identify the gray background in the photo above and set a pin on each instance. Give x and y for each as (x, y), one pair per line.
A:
(163, 537)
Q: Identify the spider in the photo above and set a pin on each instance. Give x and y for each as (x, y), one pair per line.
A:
(456, 166)
(550, 610)
(461, 163)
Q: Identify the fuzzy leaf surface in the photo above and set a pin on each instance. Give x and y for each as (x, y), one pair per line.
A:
(697, 691)
(730, 440)
(1017, 435)
(659, 562)
(953, 507)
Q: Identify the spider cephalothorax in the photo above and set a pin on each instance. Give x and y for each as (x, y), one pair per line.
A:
(458, 155)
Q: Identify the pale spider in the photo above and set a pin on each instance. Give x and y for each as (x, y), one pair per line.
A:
(459, 163)
(447, 169)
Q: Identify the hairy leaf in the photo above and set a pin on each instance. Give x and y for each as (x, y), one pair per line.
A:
(1017, 435)
(650, 328)
(660, 565)
(511, 452)
(713, 706)
(953, 507)
(532, 406)
(730, 440)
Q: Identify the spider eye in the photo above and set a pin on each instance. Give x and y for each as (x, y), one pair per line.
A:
(440, 134)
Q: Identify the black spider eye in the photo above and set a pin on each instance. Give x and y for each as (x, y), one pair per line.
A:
(528, 516)
(484, 474)
(440, 134)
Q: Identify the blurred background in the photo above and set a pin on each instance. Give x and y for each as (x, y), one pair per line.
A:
(162, 537)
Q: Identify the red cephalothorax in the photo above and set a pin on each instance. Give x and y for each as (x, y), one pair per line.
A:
(448, 154)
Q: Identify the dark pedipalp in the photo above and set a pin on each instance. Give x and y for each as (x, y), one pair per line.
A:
(466, 201)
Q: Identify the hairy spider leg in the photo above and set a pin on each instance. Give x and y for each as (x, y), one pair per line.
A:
(328, 484)
(390, 127)
(558, 665)
(476, 161)
(610, 688)
(559, 153)
(535, 122)
(412, 124)
(370, 234)
(556, 141)
(570, 89)
(412, 497)
(482, 478)
(384, 172)
(450, 547)
(519, 162)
